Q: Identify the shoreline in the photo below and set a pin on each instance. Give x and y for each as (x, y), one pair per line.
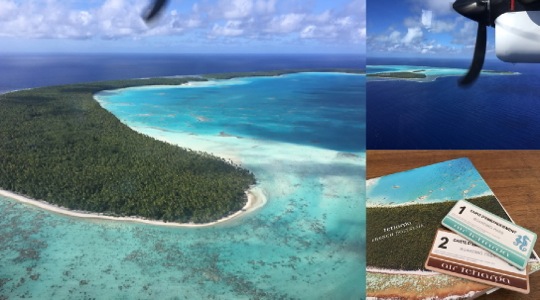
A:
(255, 196)
(401, 272)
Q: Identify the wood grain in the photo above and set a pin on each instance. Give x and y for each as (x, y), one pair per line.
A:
(514, 177)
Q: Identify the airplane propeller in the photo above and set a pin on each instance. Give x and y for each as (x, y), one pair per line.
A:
(154, 10)
(485, 12)
(478, 11)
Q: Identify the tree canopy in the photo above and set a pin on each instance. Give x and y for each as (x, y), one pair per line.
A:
(59, 145)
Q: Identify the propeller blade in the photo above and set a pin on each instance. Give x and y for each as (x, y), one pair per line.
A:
(478, 58)
(151, 13)
(473, 9)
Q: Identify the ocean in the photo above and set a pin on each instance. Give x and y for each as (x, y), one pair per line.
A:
(302, 135)
(18, 71)
(496, 112)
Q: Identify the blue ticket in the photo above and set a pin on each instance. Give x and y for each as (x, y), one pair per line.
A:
(502, 238)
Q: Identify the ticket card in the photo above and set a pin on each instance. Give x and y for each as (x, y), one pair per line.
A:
(453, 255)
(503, 238)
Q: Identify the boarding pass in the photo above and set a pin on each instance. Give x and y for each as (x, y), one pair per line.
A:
(503, 238)
(453, 255)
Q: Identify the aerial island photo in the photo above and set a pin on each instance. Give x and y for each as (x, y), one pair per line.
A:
(418, 53)
(214, 152)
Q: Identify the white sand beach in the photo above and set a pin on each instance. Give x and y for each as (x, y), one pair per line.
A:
(255, 196)
(401, 272)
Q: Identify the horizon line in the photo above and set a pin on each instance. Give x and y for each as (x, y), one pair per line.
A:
(363, 55)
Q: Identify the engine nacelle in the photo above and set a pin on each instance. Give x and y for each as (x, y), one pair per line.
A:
(517, 36)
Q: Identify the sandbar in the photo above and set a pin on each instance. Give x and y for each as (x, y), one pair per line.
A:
(255, 199)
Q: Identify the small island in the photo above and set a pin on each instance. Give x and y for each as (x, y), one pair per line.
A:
(403, 75)
(60, 146)
(421, 73)
(62, 151)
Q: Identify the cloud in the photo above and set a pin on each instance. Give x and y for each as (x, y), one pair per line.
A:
(431, 27)
(231, 28)
(336, 27)
(413, 35)
(427, 16)
(466, 35)
(265, 7)
(7, 9)
(55, 19)
(394, 37)
(438, 7)
(285, 23)
(439, 26)
(263, 20)
(236, 9)
(239, 9)
(119, 18)
(412, 41)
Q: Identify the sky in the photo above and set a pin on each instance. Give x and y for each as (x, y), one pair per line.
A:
(421, 28)
(187, 26)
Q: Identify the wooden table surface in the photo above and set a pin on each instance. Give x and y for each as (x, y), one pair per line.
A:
(514, 177)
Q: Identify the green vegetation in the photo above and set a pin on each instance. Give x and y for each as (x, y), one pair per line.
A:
(408, 248)
(500, 72)
(280, 72)
(405, 75)
(59, 145)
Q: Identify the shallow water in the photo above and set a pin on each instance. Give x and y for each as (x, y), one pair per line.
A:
(306, 242)
(448, 181)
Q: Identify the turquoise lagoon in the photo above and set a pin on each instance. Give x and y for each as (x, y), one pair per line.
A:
(303, 137)
(432, 73)
(448, 181)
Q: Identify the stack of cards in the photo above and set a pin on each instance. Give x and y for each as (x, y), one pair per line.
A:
(482, 247)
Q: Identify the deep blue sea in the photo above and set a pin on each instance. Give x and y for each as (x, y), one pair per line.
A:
(19, 71)
(302, 135)
(497, 112)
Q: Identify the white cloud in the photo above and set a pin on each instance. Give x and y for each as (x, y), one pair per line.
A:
(347, 24)
(309, 31)
(413, 35)
(55, 19)
(427, 16)
(432, 27)
(345, 21)
(263, 20)
(118, 18)
(322, 17)
(394, 37)
(285, 23)
(439, 7)
(83, 18)
(7, 8)
(236, 9)
(265, 7)
(231, 28)
(443, 26)
(412, 22)
(362, 33)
